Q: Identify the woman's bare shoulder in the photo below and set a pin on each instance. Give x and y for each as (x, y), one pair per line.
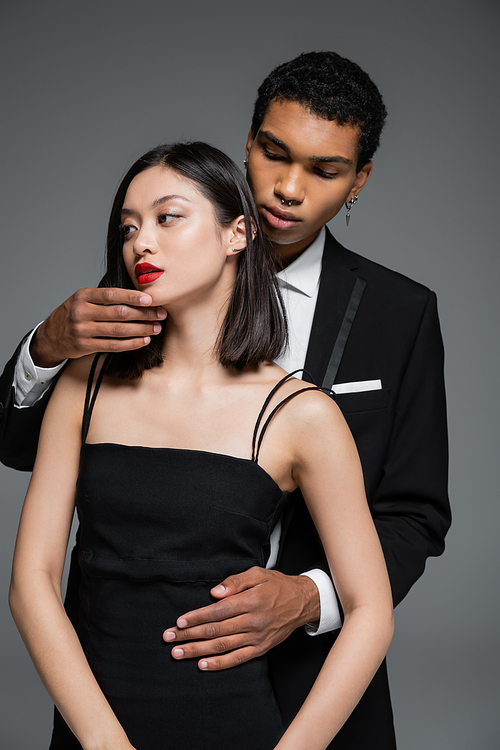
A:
(71, 387)
(77, 371)
(310, 406)
(302, 409)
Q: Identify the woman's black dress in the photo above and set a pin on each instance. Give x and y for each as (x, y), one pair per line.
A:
(159, 527)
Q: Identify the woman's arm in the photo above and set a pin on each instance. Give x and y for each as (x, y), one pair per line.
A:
(327, 468)
(35, 592)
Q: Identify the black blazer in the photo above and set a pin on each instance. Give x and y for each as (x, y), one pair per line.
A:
(19, 428)
(401, 435)
(400, 432)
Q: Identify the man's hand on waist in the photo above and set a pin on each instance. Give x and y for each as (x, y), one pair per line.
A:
(96, 320)
(256, 610)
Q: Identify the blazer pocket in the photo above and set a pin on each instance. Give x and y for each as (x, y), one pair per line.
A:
(364, 401)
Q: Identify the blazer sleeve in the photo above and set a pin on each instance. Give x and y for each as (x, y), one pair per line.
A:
(19, 428)
(410, 505)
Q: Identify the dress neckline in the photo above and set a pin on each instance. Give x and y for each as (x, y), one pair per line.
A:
(260, 428)
(190, 450)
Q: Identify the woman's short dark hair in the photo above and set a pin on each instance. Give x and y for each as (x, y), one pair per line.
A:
(329, 86)
(254, 329)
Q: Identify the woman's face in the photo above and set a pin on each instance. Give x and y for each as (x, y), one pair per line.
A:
(174, 248)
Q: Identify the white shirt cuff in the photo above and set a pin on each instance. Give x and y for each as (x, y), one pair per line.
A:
(330, 613)
(30, 381)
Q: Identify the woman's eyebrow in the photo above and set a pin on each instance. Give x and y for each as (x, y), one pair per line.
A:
(165, 198)
(156, 203)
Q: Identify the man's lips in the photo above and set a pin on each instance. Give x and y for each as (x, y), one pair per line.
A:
(147, 273)
(278, 218)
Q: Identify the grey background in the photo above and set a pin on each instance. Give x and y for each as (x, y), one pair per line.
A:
(87, 87)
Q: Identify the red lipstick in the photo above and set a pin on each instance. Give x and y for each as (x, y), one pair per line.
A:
(278, 218)
(147, 273)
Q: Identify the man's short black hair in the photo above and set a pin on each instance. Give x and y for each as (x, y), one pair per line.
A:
(331, 87)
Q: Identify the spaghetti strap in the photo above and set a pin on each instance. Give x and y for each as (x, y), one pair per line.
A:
(257, 441)
(264, 407)
(91, 397)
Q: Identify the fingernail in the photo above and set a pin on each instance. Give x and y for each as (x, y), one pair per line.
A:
(182, 623)
(169, 636)
(147, 339)
(145, 299)
(203, 664)
(157, 328)
(161, 313)
(177, 653)
(220, 589)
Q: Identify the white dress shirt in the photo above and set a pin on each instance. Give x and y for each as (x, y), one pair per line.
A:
(299, 284)
(30, 381)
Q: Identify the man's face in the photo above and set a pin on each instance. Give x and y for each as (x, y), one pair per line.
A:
(301, 169)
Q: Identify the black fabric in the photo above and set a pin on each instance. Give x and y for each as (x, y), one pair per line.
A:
(401, 435)
(345, 329)
(19, 428)
(160, 527)
(371, 718)
(400, 432)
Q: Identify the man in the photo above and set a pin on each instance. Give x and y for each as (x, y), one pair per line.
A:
(366, 332)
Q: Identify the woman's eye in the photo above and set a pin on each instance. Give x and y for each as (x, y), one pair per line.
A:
(167, 218)
(126, 230)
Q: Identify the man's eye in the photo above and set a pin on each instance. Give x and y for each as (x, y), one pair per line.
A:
(327, 175)
(270, 155)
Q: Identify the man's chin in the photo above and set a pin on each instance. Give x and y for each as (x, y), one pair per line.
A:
(284, 236)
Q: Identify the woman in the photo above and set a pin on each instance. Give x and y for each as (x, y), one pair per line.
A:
(173, 494)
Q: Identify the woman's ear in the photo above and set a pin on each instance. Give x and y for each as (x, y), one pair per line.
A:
(236, 236)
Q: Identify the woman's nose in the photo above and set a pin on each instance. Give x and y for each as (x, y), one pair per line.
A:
(145, 241)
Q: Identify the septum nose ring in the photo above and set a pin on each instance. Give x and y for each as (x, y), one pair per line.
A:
(283, 202)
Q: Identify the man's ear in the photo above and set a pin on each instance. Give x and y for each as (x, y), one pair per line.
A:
(236, 235)
(362, 178)
(250, 141)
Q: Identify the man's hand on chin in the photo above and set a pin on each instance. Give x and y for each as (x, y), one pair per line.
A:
(96, 320)
(256, 610)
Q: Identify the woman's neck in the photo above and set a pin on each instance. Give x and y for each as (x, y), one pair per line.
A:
(189, 347)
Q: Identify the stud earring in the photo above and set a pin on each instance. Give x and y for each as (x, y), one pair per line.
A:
(349, 205)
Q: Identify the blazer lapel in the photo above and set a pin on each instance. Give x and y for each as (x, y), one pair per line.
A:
(338, 277)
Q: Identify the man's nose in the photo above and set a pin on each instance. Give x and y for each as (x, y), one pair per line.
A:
(290, 185)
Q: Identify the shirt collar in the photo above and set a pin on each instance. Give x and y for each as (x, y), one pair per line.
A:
(303, 274)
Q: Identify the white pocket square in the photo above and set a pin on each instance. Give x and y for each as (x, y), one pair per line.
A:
(358, 386)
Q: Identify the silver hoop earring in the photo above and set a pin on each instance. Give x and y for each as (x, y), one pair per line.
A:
(245, 163)
(349, 205)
